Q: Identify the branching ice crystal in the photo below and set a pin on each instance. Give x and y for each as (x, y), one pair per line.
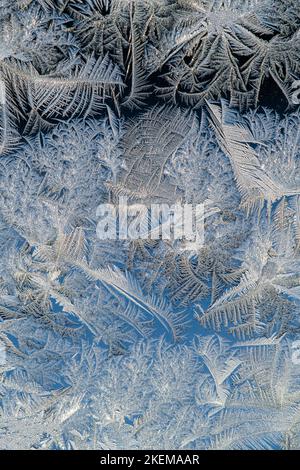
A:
(148, 343)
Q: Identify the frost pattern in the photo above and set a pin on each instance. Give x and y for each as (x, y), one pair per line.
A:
(136, 344)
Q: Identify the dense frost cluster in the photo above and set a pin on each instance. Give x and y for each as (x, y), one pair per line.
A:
(138, 344)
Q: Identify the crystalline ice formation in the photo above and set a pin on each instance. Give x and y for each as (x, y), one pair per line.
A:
(134, 343)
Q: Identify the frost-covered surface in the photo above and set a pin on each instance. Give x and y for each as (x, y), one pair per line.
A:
(146, 344)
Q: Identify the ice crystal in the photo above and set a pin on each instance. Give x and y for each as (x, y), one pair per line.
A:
(134, 343)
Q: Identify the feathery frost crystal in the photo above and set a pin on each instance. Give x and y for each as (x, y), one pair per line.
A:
(149, 342)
